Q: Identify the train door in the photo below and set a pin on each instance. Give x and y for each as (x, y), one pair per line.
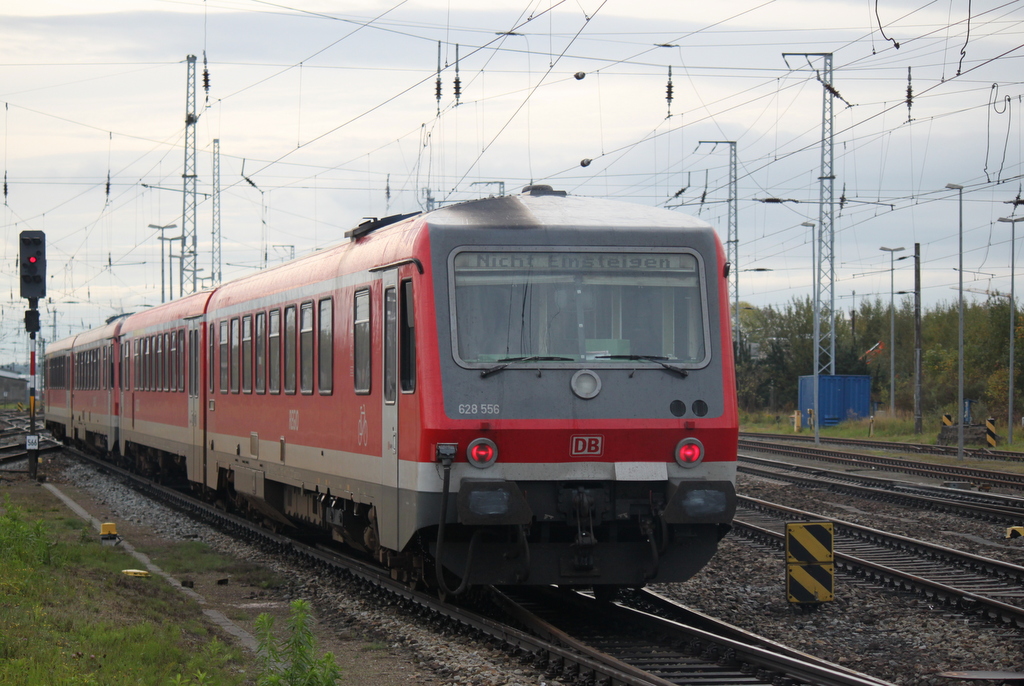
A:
(194, 388)
(387, 514)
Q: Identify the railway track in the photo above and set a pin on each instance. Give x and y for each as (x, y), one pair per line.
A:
(890, 446)
(1003, 509)
(665, 640)
(969, 583)
(668, 652)
(986, 478)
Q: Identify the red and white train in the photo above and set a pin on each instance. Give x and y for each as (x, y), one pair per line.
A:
(531, 389)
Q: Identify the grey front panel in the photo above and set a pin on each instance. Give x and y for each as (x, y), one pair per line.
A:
(629, 389)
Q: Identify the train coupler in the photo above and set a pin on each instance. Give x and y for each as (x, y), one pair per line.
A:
(583, 546)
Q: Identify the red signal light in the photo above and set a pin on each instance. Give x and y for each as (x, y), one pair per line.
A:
(33, 259)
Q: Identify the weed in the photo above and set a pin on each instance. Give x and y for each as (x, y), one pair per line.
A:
(293, 662)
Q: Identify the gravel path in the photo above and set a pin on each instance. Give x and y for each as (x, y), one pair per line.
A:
(895, 637)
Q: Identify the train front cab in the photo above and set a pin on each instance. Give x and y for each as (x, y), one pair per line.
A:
(591, 423)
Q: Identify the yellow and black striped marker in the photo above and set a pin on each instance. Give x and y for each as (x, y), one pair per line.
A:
(810, 568)
(990, 432)
(947, 419)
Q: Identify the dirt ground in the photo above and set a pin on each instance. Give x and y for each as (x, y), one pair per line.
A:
(363, 659)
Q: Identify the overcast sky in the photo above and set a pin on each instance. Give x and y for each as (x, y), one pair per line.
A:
(326, 113)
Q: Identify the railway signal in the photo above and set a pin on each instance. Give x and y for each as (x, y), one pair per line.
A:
(33, 264)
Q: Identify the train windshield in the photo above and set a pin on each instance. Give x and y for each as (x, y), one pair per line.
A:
(584, 305)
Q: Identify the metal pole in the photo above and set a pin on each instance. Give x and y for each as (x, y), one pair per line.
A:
(960, 333)
(892, 336)
(918, 428)
(817, 326)
(163, 279)
(892, 328)
(1013, 312)
(33, 451)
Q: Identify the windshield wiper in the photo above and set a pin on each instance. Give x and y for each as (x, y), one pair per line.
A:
(660, 359)
(528, 358)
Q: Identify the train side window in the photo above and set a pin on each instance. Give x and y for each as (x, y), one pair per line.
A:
(223, 350)
(261, 352)
(361, 341)
(235, 355)
(168, 362)
(147, 358)
(181, 359)
(289, 349)
(193, 367)
(211, 342)
(138, 365)
(407, 340)
(325, 347)
(172, 381)
(158, 362)
(306, 348)
(161, 362)
(247, 353)
(123, 369)
(274, 352)
(390, 345)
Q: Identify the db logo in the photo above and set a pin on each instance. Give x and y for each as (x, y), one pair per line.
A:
(586, 445)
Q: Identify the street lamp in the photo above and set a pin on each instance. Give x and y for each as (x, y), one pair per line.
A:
(1012, 221)
(162, 278)
(892, 328)
(960, 335)
(817, 326)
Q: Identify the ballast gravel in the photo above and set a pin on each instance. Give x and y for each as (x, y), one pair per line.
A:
(901, 638)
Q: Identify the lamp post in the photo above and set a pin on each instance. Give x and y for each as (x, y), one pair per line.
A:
(892, 328)
(162, 277)
(1012, 221)
(960, 334)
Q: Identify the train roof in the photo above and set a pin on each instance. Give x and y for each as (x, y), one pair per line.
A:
(540, 206)
(101, 333)
(193, 305)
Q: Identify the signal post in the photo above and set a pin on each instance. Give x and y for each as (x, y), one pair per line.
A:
(32, 264)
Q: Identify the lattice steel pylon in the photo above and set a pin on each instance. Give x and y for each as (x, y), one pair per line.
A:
(824, 267)
(216, 264)
(825, 359)
(187, 275)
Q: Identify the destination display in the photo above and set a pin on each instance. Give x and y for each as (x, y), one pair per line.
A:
(575, 261)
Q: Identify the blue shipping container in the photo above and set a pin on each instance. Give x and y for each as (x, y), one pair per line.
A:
(840, 397)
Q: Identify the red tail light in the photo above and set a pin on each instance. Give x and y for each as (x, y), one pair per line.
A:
(482, 453)
(689, 452)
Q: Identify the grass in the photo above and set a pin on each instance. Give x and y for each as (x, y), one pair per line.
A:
(883, 428)
(196, 557)
(68, 617)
